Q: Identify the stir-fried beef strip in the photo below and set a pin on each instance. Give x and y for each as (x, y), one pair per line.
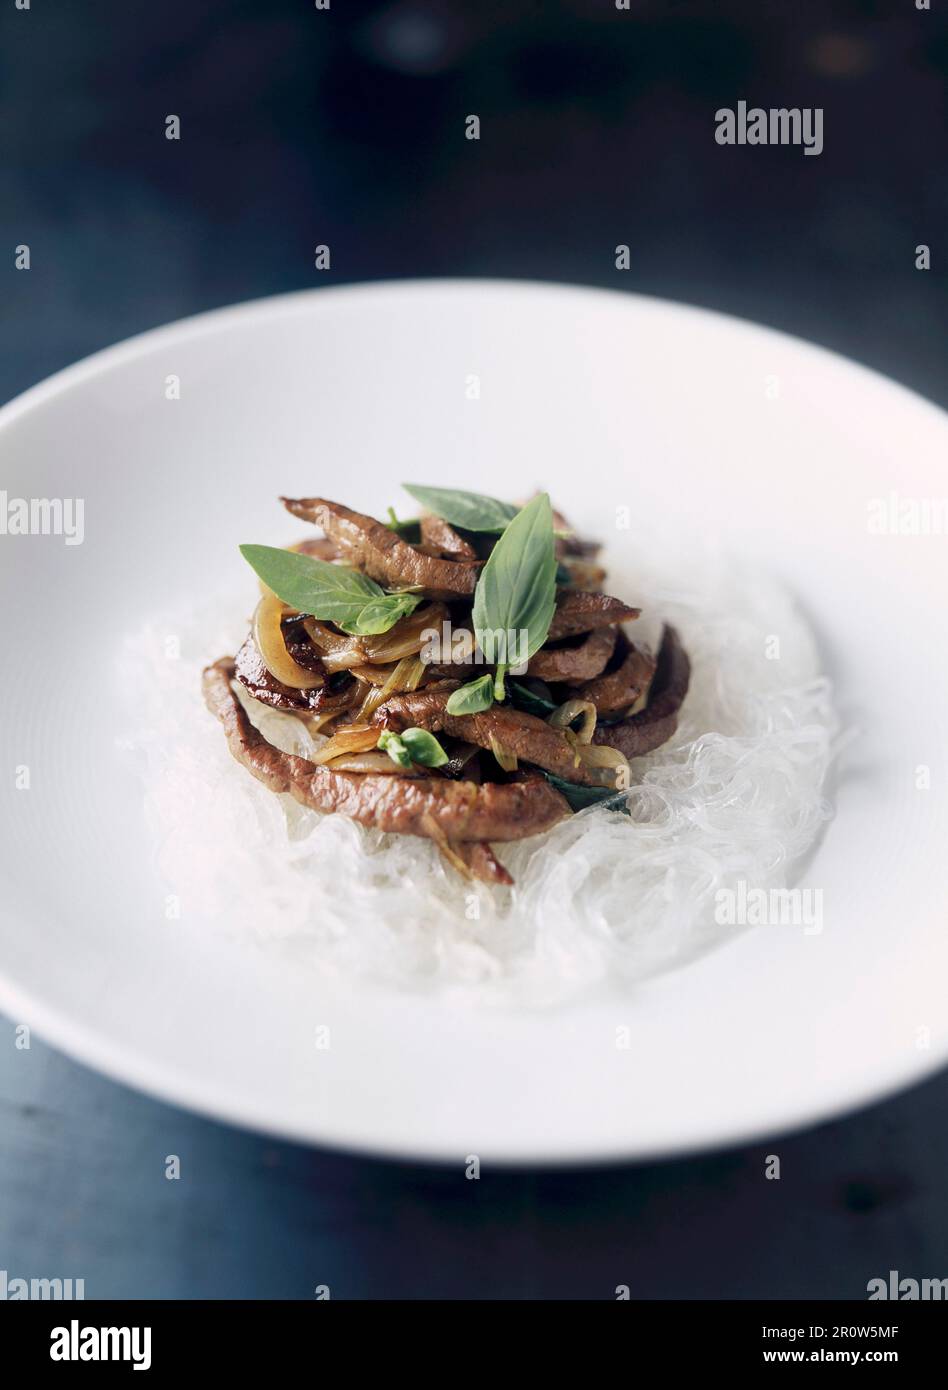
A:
(496, 811)
(369, 546)
(578, 611)
(438, 537)
(525, 737)
(300, 648)
(481, 862)
(252, 673)
(609, 699)
(624, 687)
(574, 664)
(654, 725)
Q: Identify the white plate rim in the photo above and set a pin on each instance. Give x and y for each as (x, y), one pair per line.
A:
(169, 1086)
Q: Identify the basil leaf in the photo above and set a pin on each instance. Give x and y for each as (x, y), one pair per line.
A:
(472, 698)
(332, 593)
(379, 614)
(516, 590)
(469, 510)
(529, 702)
(424, 748)
(391, 744)
(580, 797)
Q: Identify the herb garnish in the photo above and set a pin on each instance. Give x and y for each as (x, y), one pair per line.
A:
(472, 698)
(469, 510)
(516, 590)
(579, 797)
(332, 593)
(412, 746)
(406, 530)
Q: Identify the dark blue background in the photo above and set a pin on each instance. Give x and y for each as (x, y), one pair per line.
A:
(346, 127)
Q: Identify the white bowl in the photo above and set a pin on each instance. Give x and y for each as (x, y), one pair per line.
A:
(689, 417)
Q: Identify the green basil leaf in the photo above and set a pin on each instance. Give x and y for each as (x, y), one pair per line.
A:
(331, 593)
(529, 702)
(379, 614)
(580, 797)
(469, 510)
(472, 698)
(424, 748)
(391, 744)
(516, 589)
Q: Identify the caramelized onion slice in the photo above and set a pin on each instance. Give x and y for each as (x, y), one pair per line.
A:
(372, 762)
(404, 638)
(337, 651)
(373, 675)
(566, 715)
(406, 675)
(603, 763)
(268, 635)
(506, 759)
(356, 738)
(448, 850)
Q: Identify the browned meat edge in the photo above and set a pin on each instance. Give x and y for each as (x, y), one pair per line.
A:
(440, 538)
(475, 859)
(374, 550)
(530, 739)
(619, 689)
(579, 611)
(461, 810)
(569, 664)
(573, 664)
(641, 733)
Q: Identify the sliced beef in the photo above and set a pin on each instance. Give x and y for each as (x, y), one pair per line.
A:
(439, 537)
(251, 672)
(578, 611)
(621, 688)
(373, 549)
(471, 858)
(643, 732)
(459, 810)
(297, 643)
(569, 664)
(483, 863)
(531, 740)
(574, 664)
(339, 690)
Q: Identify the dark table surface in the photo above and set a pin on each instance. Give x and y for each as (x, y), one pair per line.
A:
(345, 127)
